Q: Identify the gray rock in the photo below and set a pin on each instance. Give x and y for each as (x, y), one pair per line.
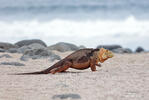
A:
(6, 46)
(33, 46)
(2, 50)
(24, 58)
(54, 57)
(139, 49)
(5, 55)
(39, 53)
(66, 96)
(82, 47)
(63, 47)
(109, 47)
(122, 50)
(12, 63)
(12, 50)
(28, 42)
(36, 46)
(23, 49)
(127, 50)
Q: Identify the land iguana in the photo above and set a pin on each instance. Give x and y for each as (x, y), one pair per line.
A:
(81, 59)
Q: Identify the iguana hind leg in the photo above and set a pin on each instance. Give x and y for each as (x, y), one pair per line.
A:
(59, 69)
(62, 68)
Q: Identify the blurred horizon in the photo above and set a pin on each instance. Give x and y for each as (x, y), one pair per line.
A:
(81, 22)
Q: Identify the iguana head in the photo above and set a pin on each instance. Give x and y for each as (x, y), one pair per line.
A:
(104, 54)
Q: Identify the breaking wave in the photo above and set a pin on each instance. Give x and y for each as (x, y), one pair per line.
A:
(129, 32)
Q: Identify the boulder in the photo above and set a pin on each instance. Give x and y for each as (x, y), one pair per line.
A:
(2, 50)
(39, 53)
(23, 49)
(139, 49)
(12, 63)
(24, 58)
(63, 47)
(54, 57)
(33, 46)
(6, 46)
(82, 47)
(5, 55)
(12, 50)
(109, 47)
(122, 50)
(69, 96)
(127, 50)
(28, 42)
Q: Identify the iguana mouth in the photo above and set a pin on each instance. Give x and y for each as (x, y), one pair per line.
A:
(110, 54)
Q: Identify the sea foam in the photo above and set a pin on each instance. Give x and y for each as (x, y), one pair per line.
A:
(129, 32)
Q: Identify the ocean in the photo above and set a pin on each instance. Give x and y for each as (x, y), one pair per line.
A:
(81, 22)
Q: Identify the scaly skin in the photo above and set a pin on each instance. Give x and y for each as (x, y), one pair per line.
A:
(81, 59)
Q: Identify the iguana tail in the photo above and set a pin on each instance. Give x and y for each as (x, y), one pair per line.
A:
(46, 71)
(31, 73)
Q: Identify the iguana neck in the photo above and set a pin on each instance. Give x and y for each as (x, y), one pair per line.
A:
(95, 56)
(98, 56)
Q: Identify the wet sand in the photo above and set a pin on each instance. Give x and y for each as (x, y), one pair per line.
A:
(124, 77)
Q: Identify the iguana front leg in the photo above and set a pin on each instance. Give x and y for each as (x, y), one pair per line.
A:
(99, 65)
(62, 68)
(93, 68)
(92, 64)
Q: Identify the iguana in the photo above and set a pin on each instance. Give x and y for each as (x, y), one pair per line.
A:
(81, 59)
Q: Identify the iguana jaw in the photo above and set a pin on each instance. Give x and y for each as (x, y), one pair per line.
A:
(110, 54)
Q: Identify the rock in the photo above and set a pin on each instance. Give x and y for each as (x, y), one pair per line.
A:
(127, 50)
(39, 53)
(82, 47)
(54, 57)
(36, 51)
(23, 49)
(2, 50)
(63, 47)
(36, 46)
(67, 96)
(33, 46)
(28, 42)
(6, 46)
(122, 50)
(139, 49)
(109, 47)
(116, 48)
(24, 58)
(12, 63)
(5, 55)
(12, 50)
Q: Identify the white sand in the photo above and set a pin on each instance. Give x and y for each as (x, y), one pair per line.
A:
(124, 77)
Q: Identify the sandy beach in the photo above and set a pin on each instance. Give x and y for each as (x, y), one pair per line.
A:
(35, 34)
(124, 77)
